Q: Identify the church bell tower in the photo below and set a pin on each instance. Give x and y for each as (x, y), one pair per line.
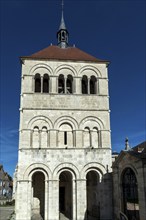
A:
(64, 160)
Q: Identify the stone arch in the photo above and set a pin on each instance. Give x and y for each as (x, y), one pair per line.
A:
(66, 194)
(66, 167)
(91, 71)
(93, 193)
(38, 202)
(40, 117)
(37, 167)
(93, 167)
(66, 119)
(36, 68)
(45, 84)
(129, 190)
(99, 122)
(37, 83)
(65, 70)
(84, 84)
(124, 167)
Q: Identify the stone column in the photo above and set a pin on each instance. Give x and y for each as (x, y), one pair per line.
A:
(74, 200)
(65, 87)
(97, 86)
(33, 84)
(81, 199)
(29, 199)
(23, 200)
(54, 84)
(53, 202)
(77, 85)
(46, 211)
(41, 84)
(89, 85)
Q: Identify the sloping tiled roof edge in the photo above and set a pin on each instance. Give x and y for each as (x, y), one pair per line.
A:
(70, 54)
(53, 59)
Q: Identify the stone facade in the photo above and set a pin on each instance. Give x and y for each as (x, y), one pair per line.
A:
(6, 184)
(64, 142)
(129, 183)
(64, 161)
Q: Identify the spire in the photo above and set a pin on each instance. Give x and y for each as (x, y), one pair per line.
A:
(62, 34)
(62, 24)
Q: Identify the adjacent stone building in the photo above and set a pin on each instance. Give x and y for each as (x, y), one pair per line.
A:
(129, 182)
(65, 159)
(6, 184)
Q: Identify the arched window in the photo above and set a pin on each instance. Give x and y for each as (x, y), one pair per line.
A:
(69, 84)
(86, 137)
(92, 85)
(36, 138)
(65, 135)
(37, 83)
(46, 83)
(84, 85)
(63, 35)
(44, 137)
(61, 84)
(130, 194)
(95, 137)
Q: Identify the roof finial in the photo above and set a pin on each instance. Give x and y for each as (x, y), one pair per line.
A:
(127, 147)
(62, 3)
(62, 34)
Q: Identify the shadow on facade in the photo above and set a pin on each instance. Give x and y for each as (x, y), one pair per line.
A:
(99, 195)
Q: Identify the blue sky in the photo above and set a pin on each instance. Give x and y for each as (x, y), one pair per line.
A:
(112, 30)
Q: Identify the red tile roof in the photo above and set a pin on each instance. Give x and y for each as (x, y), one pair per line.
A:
(69, 53)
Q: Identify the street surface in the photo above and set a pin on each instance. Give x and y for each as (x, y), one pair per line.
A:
(5, 212)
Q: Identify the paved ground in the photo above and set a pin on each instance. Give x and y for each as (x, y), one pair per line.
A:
(5, 212)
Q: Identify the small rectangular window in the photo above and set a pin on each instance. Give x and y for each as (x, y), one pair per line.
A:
(65, 138)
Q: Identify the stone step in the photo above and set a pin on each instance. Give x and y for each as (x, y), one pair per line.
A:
(63, 217)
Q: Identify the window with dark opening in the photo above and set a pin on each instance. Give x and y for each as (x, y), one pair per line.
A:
(37, 83)
(69, 84)
(92, 85)
(46, 83)
(61, 84)
(130, 194)
(63, 35)
(65, 137)
(84, 85)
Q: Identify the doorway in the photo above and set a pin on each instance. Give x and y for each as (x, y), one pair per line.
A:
(38, 195)
(65, 195)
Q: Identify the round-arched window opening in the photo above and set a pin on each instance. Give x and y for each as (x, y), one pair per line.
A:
(37, 83)
(69, 84)
(84, 85)
(45, 83)
(61, 84)
(93, 85)
(130, 200)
